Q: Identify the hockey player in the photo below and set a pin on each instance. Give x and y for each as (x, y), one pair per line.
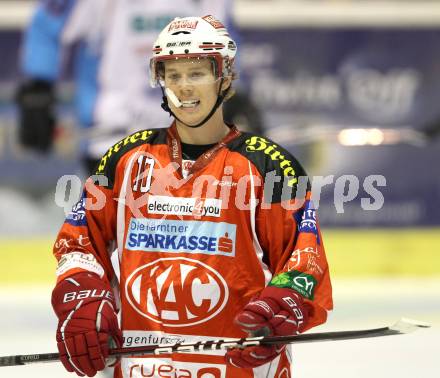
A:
(111, 39)
(211, 234)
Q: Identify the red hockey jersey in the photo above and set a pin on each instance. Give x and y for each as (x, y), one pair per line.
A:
(187, 254)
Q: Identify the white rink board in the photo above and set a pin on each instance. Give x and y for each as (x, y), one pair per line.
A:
(27, 326)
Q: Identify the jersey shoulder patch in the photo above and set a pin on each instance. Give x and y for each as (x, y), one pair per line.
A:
(273, 162)
(108, 162)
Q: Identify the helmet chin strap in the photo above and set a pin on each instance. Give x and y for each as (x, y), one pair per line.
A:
(165, 106)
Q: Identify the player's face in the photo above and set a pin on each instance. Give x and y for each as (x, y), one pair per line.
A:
(195, 85)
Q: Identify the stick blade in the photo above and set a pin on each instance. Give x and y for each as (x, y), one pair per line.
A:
(406, 325)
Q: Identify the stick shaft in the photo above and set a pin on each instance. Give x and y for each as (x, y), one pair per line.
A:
(28, 359)
(210, 345)
(253, 341)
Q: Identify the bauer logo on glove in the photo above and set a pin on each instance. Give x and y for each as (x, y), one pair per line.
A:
(88, 323)
(276, 311)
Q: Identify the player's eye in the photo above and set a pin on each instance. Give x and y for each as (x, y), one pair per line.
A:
(197, 75)
(174, 77)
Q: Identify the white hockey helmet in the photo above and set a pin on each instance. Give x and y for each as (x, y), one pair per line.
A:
(193, 37)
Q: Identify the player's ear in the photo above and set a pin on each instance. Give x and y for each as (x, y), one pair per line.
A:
(227, 81)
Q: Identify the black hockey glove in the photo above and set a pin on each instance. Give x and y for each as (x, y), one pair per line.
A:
(35, 100)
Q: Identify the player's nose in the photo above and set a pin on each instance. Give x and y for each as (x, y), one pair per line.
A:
(185, 85)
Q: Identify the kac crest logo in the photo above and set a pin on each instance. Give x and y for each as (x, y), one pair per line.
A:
(177, 292)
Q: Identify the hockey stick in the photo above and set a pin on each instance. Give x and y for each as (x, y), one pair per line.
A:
(401, 327)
